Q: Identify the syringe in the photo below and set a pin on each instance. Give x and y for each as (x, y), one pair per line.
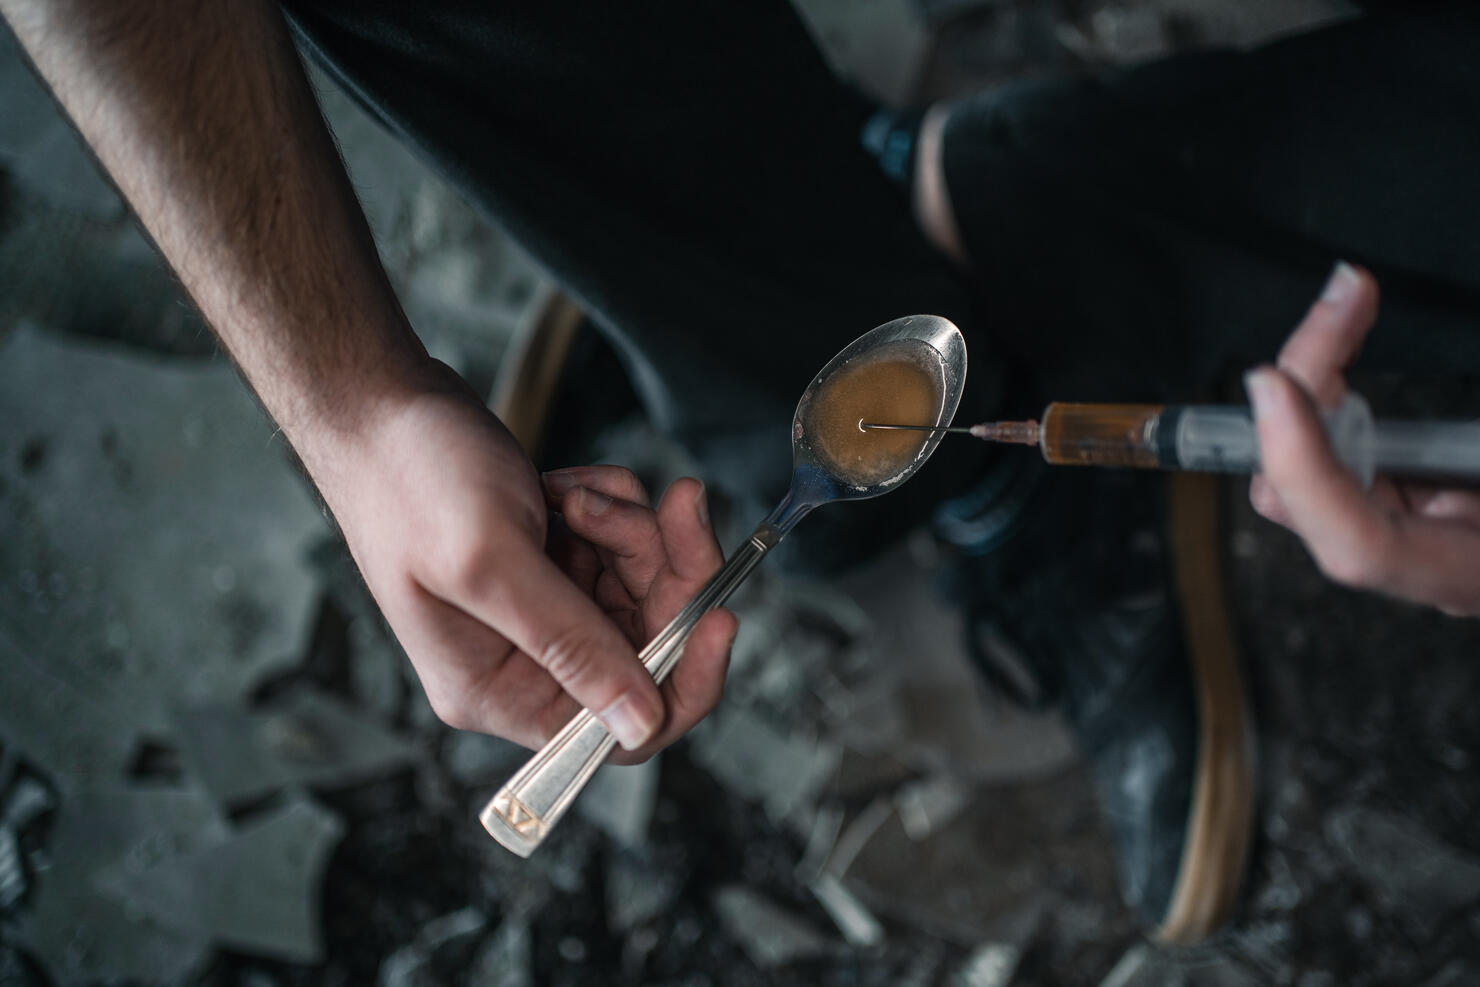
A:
(1222, 439)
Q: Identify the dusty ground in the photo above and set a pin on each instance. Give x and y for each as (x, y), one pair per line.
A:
(217, 770)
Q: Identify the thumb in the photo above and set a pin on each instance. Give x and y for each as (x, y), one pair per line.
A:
(1326, 505)
(536, 606)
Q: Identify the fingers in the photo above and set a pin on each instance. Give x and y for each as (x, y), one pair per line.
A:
(474, 679)
(615, 481)
(697, 682)
(626, 532)
(516, 588)
(683, 519)
(642, 543)
(1267, 502)
(1438, 563)
(1317, 354)
(1331, 335)
(1350, 538)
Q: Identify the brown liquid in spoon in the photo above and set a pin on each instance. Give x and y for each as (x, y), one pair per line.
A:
(897, 384)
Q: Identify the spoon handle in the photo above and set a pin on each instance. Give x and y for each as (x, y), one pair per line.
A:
(524, 811)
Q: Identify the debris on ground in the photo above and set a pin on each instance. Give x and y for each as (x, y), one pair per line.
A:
(771, 935)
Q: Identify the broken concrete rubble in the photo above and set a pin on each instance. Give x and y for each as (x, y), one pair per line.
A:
(620, 799)
(254, 889)
(638, 890)
(478, 759)
(412, 965)
(992, 964)
(307, 739)
(78, 740)
(27, 801)
(1144, 965)
(771, 935)
(82, 586)
(505, 960)
(929, 805)
(1413, 873)
(84, 936)
(782, 771)
(851, 916)
(12, 871)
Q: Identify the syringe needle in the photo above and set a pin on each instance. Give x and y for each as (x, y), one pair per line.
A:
(962, 429)
(1024, 433)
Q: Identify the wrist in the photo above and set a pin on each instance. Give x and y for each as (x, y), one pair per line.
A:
(335, 420)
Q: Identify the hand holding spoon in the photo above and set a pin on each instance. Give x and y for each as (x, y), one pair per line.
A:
(911, 369)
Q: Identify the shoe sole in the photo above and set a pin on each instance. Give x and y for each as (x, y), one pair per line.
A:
(1221, 816)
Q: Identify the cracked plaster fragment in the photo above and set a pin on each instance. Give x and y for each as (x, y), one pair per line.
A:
(638, 891)
(990, 965)
(413, 964)
(310, 739)
(78, 741)
(12, 872)
(927, 806)
(184, 497)
(1143, 965)
(851, 916)
(83, 936)
(257, 890)
(27, 802)
(770, 935)
(620, 800)
(478, 759)
(785, 772)
(506, 959)
(1412, 871)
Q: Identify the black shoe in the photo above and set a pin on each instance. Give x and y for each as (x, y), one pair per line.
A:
(1080, 593)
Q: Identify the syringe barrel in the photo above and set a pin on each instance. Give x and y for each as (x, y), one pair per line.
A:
(1213, 438)
(1100, 434)
(1436, 450)
(1222, 439)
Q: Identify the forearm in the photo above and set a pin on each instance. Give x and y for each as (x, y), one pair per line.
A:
(201, 113)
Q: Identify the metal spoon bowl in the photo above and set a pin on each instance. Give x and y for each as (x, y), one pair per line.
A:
(528, 806)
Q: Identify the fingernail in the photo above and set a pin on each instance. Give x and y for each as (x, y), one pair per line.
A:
(1342, 285)
(594, 502)
(702, 505)
(631, 721)
(1260, 387)
(559, 481)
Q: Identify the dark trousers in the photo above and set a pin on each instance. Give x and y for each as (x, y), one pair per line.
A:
(692, 173)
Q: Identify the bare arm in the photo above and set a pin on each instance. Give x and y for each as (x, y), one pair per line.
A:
(200, 111)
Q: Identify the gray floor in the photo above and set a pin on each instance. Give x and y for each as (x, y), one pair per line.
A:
(217, 769)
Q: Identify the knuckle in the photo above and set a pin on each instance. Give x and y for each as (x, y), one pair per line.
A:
(471, 564)
(1362, 561)
(1343, 567)
(572, 657)
(452, 712)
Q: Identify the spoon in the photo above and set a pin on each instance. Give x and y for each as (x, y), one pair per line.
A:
(524, 811)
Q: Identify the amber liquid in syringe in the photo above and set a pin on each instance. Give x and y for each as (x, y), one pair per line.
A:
(1100, 434)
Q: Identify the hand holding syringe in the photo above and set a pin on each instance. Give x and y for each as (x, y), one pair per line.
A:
(1222, 439)
(1417, 541)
